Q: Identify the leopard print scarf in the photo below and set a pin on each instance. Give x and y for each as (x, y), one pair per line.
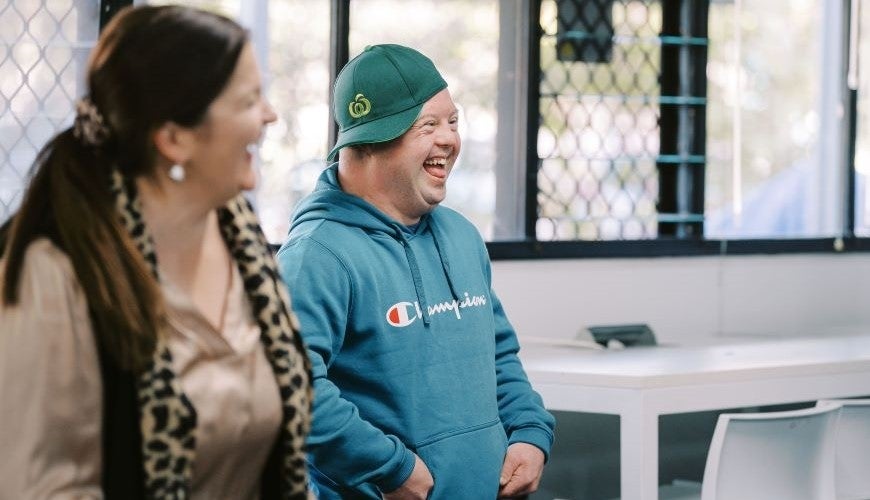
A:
(167, 418)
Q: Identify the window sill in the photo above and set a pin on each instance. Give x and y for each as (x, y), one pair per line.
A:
(515, 250)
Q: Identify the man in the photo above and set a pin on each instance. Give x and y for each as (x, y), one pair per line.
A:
(418, 389)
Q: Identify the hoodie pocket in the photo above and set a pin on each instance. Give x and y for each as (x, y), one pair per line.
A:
(466, 464)
(326, 489)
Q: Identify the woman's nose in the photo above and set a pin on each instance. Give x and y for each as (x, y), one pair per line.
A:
(269, 114)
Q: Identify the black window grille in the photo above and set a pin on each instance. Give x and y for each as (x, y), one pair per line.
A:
(43, 51)
(620, 141)
(44, 48)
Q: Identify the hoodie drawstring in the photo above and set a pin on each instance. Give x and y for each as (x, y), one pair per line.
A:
(445, 264)
(415, 275)
(415, 270)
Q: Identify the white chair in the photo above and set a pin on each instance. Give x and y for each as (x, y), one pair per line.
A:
(764, 456)
(852, 463)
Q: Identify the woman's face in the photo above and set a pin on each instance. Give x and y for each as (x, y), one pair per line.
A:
(221, 161)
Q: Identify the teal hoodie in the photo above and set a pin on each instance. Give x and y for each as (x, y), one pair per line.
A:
(411, 351)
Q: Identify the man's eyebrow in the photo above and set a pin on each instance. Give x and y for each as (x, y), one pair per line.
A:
(433, 115)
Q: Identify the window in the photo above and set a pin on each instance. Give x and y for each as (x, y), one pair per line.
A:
(296, 67)
(683, 119)
(775, 137)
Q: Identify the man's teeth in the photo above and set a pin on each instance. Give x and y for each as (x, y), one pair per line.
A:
(252, 149)
(436, 162)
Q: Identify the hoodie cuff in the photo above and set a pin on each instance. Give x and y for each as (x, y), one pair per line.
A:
(536, 436)
(392, 481)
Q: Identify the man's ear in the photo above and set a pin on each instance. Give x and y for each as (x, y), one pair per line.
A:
(174, 142)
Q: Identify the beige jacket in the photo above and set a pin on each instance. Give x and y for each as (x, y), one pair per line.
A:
(51, 391)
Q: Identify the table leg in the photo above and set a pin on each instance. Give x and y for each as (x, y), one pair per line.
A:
(638, 455)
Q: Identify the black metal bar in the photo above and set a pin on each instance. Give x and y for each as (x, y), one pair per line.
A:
(697, 79)
(533, 161)
(573, 249)
(339, 32)
(849, 219)
(669, 84)
(851, 95)
(108, 8)
(682, 127)
(670, 247)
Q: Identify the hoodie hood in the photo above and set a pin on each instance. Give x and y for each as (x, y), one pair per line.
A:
(329, 202)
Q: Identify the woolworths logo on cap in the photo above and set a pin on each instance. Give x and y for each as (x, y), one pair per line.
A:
(359, 107)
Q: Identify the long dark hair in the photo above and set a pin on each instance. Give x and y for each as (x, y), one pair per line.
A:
(151, 65)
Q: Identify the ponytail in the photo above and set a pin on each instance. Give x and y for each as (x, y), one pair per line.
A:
(69, 202)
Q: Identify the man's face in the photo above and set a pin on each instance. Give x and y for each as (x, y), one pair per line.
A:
(412, 171)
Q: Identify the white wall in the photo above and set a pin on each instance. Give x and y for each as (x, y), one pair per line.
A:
(689, 300)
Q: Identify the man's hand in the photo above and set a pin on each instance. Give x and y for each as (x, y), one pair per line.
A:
(417, 486)
(522, 470)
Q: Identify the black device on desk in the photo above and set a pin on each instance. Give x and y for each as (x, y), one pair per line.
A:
(626, 335)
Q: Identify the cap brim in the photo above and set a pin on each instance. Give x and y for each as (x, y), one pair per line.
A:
(380, 130)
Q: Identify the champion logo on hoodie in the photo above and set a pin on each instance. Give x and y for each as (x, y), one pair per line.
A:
(402, 314)
(398, 314)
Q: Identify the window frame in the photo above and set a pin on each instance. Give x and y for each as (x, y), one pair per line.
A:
(108, 8)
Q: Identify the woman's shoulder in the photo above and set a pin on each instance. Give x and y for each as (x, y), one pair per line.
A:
(45, 271)
(43, 251)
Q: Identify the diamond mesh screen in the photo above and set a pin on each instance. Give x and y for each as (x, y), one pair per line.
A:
(44, 45)
(598, 138)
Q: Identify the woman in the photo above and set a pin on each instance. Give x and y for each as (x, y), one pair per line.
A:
(147, 348)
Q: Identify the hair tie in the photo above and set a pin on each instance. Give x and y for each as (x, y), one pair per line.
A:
(89, 126)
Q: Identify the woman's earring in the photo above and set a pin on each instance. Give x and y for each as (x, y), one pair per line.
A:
(176, 172)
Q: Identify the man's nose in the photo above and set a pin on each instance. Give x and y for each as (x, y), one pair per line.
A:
(445, 136)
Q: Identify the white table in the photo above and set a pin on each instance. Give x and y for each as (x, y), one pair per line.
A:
(641, 383)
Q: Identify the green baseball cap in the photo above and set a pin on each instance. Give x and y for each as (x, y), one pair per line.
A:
(379, 93)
